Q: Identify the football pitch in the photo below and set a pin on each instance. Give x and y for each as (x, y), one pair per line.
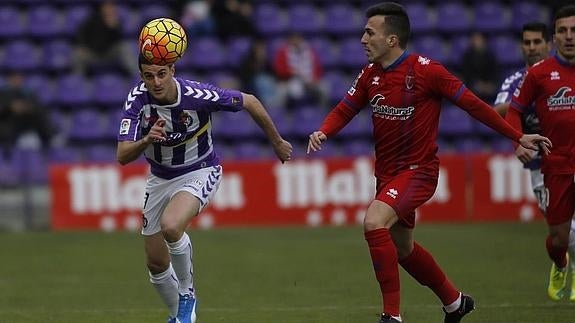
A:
(279, 275)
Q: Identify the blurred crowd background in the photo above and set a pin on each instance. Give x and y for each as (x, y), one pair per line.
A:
(67, 66)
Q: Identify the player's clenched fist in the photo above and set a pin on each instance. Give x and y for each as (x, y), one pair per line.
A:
(157, 132)
(315, 141)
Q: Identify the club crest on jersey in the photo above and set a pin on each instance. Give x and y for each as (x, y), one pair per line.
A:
(185, 118)
(409, 81)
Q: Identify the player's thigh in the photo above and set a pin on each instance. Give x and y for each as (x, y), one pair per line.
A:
(201, 184)
(379, 215)
(406, 192)
(157, 256)
(561, 203)
(157, 196)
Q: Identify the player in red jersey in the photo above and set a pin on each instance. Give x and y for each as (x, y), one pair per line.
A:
(550, 86)
(404, 92)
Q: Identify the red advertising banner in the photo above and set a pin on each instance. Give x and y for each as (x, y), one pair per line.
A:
(307, 192)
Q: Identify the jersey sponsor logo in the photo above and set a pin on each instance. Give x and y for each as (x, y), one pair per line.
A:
(125, 126)
(380, 109)
(560, 100)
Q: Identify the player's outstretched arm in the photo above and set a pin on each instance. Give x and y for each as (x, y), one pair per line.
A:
(536, 142)
(315, 141)
(129, 151)
(255, 108)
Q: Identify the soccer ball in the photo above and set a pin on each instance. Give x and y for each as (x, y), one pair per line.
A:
(162, 41)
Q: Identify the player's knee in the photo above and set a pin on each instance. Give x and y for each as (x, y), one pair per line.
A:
(379, 215)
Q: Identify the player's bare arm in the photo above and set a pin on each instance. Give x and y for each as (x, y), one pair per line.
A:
(315, 141)
(282, 148)
(129, 151)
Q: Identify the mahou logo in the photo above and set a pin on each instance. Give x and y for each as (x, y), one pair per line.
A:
(101, 189)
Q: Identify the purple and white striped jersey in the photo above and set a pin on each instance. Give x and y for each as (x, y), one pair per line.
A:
(188, 127)
(529, 120)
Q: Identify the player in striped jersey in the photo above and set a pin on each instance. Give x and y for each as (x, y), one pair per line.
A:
(168, 120)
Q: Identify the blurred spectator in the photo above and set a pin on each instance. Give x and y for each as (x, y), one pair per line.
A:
(299, 70)
(100, 42)
(197, 18)
(257, 76)
(480, 68)
(233, 18)
(23, 122)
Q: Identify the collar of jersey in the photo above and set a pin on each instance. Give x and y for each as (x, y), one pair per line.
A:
(398, 61)
(562, 61)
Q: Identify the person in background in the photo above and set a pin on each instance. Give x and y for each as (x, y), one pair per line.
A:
(548, 87)
(404, 92)
(169, 124)
(298, 68)
(257, 77)
(479, 68)
(23, 121)
(100, 43)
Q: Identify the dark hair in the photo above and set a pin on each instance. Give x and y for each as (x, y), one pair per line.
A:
(396, 20)
(537, 27)
(563, 12)
(142, 60)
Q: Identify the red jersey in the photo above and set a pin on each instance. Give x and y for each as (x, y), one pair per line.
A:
(405, 99)
(550, 85)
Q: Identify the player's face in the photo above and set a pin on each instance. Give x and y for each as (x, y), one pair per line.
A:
(375, 40)
(564, 37)
(534, 47)
(159, 80)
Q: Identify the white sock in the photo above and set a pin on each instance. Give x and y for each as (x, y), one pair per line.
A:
(166, 284)
(571, 248)
(181, 254)
(453, 306)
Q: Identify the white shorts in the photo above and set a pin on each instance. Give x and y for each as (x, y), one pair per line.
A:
(202, 183)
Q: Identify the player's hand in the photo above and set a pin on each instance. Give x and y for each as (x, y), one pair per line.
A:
(315, 141)
(157, 132)
(536, 142)
(524, 155)
(283, 150)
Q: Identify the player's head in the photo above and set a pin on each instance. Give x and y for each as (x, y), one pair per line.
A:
(534, 42)
(387, 29)
(159, 80)
(564, 33)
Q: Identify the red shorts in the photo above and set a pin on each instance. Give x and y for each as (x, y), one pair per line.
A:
(407, 191)
(561, 204)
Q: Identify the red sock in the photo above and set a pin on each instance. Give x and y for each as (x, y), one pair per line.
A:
(421, 266)
(557, 254)
(384, 257)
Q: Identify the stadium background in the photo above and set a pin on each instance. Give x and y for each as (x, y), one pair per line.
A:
(37, 39)
(276, 274)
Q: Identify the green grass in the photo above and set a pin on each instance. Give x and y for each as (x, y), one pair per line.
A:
(274, 275)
